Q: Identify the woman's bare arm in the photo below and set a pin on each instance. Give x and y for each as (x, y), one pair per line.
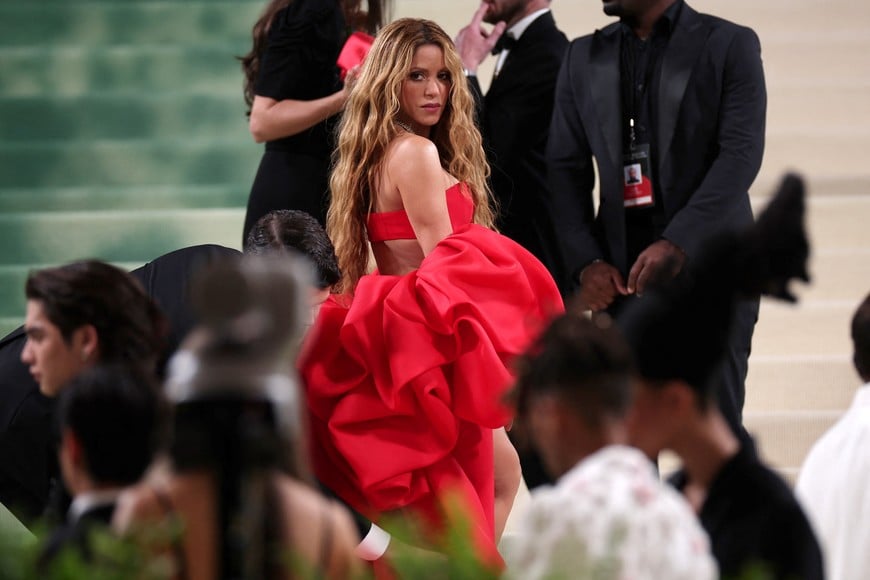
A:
(414, 168)
(271, 119)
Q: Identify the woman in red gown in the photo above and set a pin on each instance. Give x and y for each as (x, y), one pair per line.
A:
(406, 367)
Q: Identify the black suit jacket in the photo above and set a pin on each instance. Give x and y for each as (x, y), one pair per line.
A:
(75, 534)
(514, 119)
(27, 442)
(710, 117)
(753, 518)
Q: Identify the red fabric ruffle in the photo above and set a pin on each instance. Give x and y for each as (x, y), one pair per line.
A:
(405, 385)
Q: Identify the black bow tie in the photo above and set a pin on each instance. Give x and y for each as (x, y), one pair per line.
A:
(505, 42)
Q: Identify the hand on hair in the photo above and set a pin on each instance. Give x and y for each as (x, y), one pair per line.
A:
(350, 80)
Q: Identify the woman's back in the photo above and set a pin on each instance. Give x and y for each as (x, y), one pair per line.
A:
(317, 535)
(414, 182)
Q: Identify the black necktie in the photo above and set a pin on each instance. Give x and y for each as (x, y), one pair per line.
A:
(505, 42)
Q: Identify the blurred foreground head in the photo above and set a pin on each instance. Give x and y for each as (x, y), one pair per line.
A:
(238, 364)
(573, 390)
(679, 331)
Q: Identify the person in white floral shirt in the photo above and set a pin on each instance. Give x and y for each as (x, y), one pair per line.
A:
(608, 516)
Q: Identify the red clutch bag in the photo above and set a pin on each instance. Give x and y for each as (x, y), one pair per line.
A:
(354, 51)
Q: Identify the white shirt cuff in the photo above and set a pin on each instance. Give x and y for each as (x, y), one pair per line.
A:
(374, 545)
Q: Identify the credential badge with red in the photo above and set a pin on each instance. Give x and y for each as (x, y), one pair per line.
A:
(637, 188)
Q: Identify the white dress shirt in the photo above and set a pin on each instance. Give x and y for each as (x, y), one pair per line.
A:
(834, 488)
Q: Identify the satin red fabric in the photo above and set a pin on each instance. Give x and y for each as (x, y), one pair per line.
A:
(354, 52)
(395, 225)
(405, 385)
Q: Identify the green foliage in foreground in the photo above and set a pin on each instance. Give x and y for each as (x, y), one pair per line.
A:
(120, 559)
(115, 558)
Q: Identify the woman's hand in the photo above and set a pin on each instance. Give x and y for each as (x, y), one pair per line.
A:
(350, 79)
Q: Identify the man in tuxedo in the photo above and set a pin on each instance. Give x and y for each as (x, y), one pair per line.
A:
(514, 116)
(682, 95)
(109, 421)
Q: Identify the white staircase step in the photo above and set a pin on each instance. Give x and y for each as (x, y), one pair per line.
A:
(815, 329)
(785, 438)
(800, 382)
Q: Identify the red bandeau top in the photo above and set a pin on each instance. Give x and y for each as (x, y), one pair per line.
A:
(394, 225)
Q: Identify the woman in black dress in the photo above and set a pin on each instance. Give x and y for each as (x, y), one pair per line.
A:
(294, 92)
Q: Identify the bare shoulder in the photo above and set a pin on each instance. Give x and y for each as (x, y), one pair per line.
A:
(314, 506)
(409, 161)
(136, 504)
(411, 151)
(314, 518)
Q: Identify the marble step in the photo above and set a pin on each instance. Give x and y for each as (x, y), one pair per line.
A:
(113, 235)
(132, 198)
(785, 437)
(109, 22)
(78, 70)
(125, 163)
(800, 382)
(152, 114)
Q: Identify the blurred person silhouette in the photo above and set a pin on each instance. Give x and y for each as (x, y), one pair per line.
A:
(833, 480)
(294, 232)
(679, 333)
(78, 315)
(28, 458)
(236, 485)
(294, 89)
(109, 418)
(608, 515)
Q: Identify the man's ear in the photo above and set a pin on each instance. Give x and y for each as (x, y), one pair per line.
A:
(680, 399)
(86, 341)
(71, 446)
(545, 417)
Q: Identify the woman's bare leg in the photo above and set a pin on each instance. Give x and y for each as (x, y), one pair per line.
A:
(507, 478)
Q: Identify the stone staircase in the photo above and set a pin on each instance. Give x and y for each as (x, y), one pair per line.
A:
(122, 131)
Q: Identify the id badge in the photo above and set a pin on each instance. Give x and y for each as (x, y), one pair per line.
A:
(637, 189)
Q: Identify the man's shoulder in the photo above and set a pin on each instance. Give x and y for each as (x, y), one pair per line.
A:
(586, 39)
(757, 487)
(727, 28)
(543, 34)
(840, 449)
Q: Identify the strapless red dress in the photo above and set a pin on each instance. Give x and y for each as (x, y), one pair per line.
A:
(405, 383)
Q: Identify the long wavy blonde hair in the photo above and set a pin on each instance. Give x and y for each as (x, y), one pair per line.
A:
(369, 124)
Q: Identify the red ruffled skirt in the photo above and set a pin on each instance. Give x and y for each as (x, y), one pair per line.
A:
(406, 384)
